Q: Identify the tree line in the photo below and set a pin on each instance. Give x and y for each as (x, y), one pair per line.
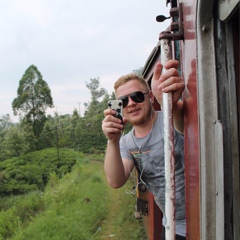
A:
(37, 130)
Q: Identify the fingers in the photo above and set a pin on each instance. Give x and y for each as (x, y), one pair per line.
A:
(108, 111)
(175, 87)
(171, 64)
(171, 70)
(168, 81)
(111, 125)
(112, 122)
(171, 83)
(157, 71)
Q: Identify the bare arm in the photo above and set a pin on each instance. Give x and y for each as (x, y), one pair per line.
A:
(170, 81)
(117, 170)
(178, 120)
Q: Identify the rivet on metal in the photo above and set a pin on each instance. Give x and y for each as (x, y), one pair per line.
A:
(204, 28)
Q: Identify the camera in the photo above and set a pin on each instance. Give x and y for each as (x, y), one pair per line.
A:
(116, 105)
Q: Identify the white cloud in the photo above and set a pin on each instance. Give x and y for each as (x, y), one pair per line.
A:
(71, 42)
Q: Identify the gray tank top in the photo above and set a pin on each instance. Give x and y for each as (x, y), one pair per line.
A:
(149, 161)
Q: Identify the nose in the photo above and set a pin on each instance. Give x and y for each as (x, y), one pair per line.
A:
(130, 101)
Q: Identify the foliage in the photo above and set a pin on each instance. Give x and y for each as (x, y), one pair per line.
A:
(78, 206)
(18, 210)
(94, 107)
(16, 141)
(5, 122)
(33, 98)
(138, 71)
(81, 133)
(31, 171)
(73, 205)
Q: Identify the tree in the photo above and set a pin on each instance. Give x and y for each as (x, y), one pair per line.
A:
(93, 86)
(138, 71)
(33, 98)
(96, 93)
(16, 141)
(5, 121)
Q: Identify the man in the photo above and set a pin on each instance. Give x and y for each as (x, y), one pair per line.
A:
(143, 145)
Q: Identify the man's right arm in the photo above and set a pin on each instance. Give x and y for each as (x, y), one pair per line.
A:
(117, 170)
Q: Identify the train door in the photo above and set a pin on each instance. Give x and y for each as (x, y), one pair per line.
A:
(218, 97)
(210, 67)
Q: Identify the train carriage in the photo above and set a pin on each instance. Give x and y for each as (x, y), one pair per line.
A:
(204, 37)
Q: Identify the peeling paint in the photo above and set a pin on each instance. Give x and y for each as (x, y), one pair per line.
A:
(168, 150)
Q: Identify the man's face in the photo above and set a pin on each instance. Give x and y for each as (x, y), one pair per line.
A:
(137, 113)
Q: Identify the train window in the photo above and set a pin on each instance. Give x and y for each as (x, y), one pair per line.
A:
(226, 8)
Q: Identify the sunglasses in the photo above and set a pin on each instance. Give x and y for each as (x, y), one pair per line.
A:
(137, 97)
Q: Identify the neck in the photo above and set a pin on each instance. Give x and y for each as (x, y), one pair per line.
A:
(143, 130)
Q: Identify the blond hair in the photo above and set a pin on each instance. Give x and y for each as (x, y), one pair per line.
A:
(128, 77)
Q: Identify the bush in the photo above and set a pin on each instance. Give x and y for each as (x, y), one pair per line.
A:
(78, 206)
(75, 206)
(31, 171)
(8, 223)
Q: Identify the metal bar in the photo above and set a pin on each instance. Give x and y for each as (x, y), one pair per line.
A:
(166, 55)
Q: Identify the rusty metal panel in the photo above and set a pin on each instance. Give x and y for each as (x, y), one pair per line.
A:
(191, 120)
(153, 221)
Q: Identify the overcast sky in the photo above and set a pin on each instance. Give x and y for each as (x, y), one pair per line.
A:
(72, 41)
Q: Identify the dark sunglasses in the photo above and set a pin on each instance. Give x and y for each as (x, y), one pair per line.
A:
(137, 97)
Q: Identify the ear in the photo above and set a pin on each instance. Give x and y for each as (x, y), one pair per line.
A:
(151, 97)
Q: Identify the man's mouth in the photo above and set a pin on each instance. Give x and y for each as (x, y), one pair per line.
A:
(134, 110)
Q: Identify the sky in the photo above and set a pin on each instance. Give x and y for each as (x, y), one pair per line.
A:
(73, 41)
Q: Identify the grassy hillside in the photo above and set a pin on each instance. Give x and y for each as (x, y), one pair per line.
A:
(78, 206)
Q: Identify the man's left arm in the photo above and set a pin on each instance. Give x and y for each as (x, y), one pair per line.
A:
(178, 118)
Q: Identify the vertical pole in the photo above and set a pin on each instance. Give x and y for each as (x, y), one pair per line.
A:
(166, 54)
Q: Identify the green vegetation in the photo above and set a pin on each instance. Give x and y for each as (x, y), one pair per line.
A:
(36, 131)
(31, 171)
(34, 97)
(50, 185)
(80, 205)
